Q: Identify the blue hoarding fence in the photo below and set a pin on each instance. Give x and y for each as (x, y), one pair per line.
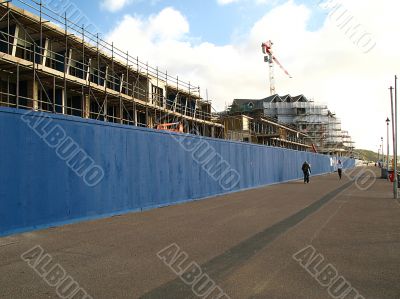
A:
(58, 169)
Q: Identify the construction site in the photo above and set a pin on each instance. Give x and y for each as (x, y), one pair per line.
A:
(119, 180)
(260, 129)
(287, 121)
(49, 63)
(312, 123)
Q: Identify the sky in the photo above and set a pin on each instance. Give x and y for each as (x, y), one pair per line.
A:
(340, 53)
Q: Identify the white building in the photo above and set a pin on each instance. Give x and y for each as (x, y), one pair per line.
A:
(316, 120)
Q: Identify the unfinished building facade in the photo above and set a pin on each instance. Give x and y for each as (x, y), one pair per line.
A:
(51, 64)
(262, 130)
(322, 127)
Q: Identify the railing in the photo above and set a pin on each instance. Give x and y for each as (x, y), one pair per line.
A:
(273, 130)
(91, 69)
(79, 31)
(285, 105)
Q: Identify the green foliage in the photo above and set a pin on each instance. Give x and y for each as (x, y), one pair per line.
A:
(368, 155)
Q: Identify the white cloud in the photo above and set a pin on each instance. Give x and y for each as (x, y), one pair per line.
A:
(168, 24)
(325, 64)
(225, 2)
(264, 1)
(114, 5)
(141, 36)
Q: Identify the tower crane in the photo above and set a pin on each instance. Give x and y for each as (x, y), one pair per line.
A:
(271, 59)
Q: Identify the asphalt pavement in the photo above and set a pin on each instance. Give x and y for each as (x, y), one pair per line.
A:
(330, 238)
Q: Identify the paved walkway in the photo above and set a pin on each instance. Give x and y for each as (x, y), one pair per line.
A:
(347, 241)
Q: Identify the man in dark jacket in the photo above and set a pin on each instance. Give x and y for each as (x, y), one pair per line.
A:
(306, 171)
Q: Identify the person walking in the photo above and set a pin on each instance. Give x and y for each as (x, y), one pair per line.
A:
(339, 169)
(306, 168)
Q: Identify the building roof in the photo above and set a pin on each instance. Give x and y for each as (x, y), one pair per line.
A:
(272, 99)
(287, 98)
(300, 98)
(250, 103)
(257, 103)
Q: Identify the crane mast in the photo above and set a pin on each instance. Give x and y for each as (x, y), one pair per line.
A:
(270, 58)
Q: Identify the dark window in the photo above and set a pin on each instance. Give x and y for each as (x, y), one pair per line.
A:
(301, 111)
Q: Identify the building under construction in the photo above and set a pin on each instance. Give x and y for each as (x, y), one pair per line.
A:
(263, 130)
(322, 127)
(52, 64)
(49, 63)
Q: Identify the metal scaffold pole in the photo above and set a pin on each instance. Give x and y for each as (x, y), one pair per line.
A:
(65, 95)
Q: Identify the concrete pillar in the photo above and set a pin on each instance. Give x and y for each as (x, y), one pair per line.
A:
(89, 66)
(86, 106)
(135, 119)
(15, 42)
(64, 101)
(45, 51)
(165, 97)
(121, 84)
(105, 77)
(150, 121)
(195, 109)
(121, 111)
(105, 107)
(185, 111)
(69, 61)
(149, 91)
(33, 94)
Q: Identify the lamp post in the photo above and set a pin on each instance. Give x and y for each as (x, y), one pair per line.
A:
(387, 140)
(394, 130)
(394, 119)
(382, 152)
(379, 151)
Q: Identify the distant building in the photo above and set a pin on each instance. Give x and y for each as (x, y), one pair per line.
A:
(322, 127)
(263, 130)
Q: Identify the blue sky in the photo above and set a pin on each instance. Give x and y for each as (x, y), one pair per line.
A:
(209, 21)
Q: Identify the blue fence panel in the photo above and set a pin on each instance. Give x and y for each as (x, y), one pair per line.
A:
(41, 186)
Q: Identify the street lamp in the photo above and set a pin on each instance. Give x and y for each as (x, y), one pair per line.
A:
(387, 140)
(379, 150)
(383, 155)
(393, 102)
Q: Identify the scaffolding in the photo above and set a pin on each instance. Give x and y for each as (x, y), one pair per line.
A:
(50, 63)
(264, 131)
(322, 127)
